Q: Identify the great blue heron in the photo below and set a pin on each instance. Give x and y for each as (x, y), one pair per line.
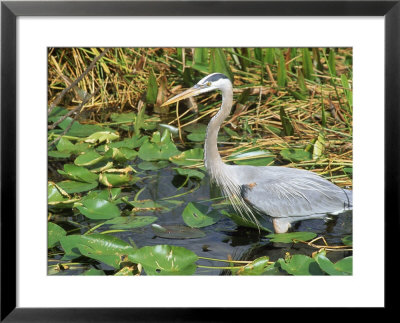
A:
(285, 194)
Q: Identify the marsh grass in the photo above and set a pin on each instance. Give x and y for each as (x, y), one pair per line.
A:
(308, 90)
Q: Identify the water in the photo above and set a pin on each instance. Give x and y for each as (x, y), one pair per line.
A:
(225, 239)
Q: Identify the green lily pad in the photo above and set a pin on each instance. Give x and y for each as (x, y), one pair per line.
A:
(78, 173)
(121, 179)
(194, 215)
(332, 269)
(89, 158)
(189, 157)
(165, 260)
(80, 130)
(102, 136)
(93, 272)
(130, 222)
(256, 267)
(55, 233)
(190, 172)
(347, 240)
(160, 147)
(177, 232)
(291, 236)
(156, 165)
(131, 143)
(101, 247)
(98, 209)
(121, 155)
(300, 265)
(76, 187)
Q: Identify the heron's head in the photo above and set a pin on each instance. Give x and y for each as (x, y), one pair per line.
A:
(215, 81)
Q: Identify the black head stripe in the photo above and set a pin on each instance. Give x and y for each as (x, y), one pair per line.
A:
(215, 77)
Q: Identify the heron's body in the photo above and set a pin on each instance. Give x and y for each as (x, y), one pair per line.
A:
(285, 194)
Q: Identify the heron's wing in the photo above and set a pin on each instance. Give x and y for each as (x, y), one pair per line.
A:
(299, 194)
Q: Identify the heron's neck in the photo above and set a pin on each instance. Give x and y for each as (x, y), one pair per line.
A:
(212, 158)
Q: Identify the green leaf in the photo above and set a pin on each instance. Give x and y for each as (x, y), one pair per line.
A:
(78, 173)
(126, 117)
(102, 136)
(301, 82)
(177, 232)
(80, 130)
(161, 148)
(291, 236)
(196, 136)
(98, 209)
(121, 179)
(332, 62)
(190, 172)
(319, 146)
(347, 240)
(76, 187)
(101, 247)
(327, 266)
(300, 265)
(194, 215)
(286, 124)
(165, 260)
(307, 65)
(295, 155)
(256, 267)
(148, 165)
(281, 80)
(130, 222)
(152, 88)
(93, 272)
(189, 157)
(89, 158)
(55, 233)
(345, 265)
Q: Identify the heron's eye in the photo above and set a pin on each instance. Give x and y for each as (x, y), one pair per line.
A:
(208, 83)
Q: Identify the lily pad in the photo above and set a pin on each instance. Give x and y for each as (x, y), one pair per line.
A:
(130, 222)
(122, 179)
(165, 260)
(347, 240)
(102, 136)
(101, 247)
(89, 158)
(98, 209)
(76, 187)
(300, 265)
(194, 215)
(332, 269)
(177, 232)
(78, 173)
(160, 148)
(256, 267)
(190, 172)
(156, 165)
(189, 157)
(55, 233)
(291, 236)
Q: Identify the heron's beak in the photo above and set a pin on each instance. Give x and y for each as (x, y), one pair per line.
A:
(184, 95)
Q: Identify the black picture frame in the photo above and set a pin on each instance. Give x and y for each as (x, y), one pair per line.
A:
(11, 10)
